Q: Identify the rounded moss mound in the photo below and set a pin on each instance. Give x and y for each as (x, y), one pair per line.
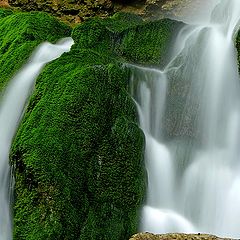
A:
(147, 43)
(92, 34)
(122, 21)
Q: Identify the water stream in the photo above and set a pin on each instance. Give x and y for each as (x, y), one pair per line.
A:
(12, 106)
(190, 114)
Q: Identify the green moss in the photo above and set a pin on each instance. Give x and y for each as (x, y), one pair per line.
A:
(92, 34)
(147, 43)
(5, 12)
(127, 36)
(103, 35)
(122, 21)
(20, 33)
(79, 152)
(72, 123)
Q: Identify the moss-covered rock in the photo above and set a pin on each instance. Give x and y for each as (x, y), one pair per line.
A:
(122, 21)
(20, 33)
(147, 43)
(5, 12)
(78, 154)
(128, 37)
(103, 35)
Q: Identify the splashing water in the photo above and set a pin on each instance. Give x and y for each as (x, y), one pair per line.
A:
(190, 114)
(12, 106)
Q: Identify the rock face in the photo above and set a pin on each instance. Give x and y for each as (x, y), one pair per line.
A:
(150, 236)
(4, 3)
(75, 11)
(70, 10)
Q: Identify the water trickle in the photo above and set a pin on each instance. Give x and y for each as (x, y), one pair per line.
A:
(190, 114)
(12, 106)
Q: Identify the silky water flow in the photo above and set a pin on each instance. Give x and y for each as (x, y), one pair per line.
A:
(190, 114)
(12, 106)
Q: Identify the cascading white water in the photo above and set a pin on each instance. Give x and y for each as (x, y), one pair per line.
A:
(12, 106)
(190, 114)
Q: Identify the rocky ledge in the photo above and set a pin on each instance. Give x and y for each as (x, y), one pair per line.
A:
(76, 11)
(4, 3)
(176, 236)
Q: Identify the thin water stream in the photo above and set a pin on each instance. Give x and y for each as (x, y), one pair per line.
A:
(190, 114)
(12, 107)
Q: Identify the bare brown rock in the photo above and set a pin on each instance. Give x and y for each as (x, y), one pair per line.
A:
(175, 236)
(170, 8)
(73, 11)
(76, 11)
(4, 3)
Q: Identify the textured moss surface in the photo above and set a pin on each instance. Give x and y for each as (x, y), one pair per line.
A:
(104, 35)
(78, 154)
(20, 33)
(147, 43)
(81, 153)
(128, 37)
(5, 12)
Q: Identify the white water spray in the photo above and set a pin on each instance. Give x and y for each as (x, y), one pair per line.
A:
(190, 114)
(12, 106)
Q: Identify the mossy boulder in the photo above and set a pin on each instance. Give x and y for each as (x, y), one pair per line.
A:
(128, 37)
(98, 37)
(122, 21)
(78, 154)
(20, 33)
(147, 43)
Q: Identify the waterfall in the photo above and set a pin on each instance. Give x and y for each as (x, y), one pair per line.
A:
(12, 106)
(190, 114)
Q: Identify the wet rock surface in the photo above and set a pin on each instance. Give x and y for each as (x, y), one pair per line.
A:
(176, 236)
